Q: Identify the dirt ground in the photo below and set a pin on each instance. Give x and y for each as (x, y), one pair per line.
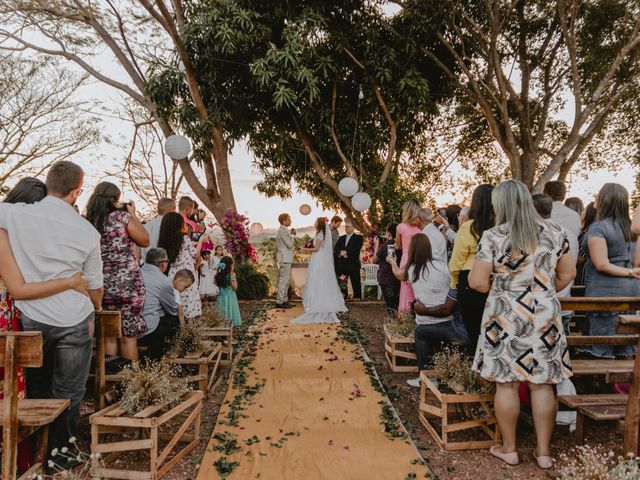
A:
(464, 465)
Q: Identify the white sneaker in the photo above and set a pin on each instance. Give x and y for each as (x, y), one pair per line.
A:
(414, 382)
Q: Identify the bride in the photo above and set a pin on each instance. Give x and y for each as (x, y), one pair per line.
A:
(322, 297)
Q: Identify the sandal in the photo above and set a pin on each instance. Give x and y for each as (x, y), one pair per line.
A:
(510, 458)
(544, 462)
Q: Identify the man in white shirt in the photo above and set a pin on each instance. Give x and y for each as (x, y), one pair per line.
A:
(436, 238)
(66, 319)
(562, 215)
(165, 205)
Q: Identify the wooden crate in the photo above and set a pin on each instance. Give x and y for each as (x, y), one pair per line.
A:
(447, 408)
(201, 361)
(399, 352)
(224, 335)
(144, 434)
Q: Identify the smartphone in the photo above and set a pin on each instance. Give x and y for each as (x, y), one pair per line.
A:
(195, 236)
(391, 251)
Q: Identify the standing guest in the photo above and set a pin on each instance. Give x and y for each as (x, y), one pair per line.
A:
(182, 280)
(284, 256)
(65, 319)
(436, 238)
(463, 217)
(389, 284)
(575, 204)
(405, 231)
(182, 254)
(562, 215)
(430, 282)
(218, 253)
(28, 190)
(186, 209)
(160, 309)
(451, 225)
(227, 299)
(208, 272)
(543, 204)
(613, 258)
(471, 302)
(165, 205)
(347, 257)
(120, 230)
(635, 222)
(589, 216)
(521, 263)
(336, 221)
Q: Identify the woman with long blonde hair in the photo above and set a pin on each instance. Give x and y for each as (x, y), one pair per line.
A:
(522, 262)
(404, 233)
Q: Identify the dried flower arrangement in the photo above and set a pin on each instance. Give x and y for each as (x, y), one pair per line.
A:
(401, 326)
(84, 464)
(595, 463)
(452, 367)
(211, 318)
(189, 339)
(151, 383)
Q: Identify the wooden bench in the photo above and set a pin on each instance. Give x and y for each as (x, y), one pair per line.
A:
(108, 325)
(22, 418)
(594, 406)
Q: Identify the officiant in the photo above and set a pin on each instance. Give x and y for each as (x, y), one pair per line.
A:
(347, 258)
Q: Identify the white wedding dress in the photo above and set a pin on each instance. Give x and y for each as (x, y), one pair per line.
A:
(322, 296)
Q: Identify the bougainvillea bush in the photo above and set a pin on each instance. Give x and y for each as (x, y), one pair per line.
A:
(236, 233)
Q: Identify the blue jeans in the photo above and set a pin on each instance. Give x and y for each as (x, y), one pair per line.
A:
(606, 323)
(64, 372)
(429, 337)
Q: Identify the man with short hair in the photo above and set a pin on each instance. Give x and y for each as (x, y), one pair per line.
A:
(160, 310)
(65, 319)
(347, 257)
(284, 255)
(185, 208)
(165, 205)
(436, 238)
(561, 214)
(335, 223)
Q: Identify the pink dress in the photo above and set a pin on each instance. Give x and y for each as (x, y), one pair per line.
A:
(406, 233)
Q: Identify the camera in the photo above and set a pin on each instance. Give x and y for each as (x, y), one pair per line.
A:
(123, 206)
(195, 236)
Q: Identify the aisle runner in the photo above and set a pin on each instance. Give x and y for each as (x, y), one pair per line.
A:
(316, 415)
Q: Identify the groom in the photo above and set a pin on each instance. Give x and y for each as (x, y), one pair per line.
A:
(347, 257)
(284, 256)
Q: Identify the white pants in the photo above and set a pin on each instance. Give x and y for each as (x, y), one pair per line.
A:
(284, 277)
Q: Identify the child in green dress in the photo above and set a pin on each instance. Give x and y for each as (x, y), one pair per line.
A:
(227, 299)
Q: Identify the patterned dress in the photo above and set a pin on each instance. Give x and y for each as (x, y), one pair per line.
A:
(10, 322)
(522, 338)
(191, 303)
(123, 283)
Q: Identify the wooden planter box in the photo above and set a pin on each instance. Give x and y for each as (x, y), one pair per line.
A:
(224, 335)
(201, 361)
(147, 425)
(399, 352)
(448, 407)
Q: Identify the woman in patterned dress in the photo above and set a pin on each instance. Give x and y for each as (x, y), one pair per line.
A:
(522, 262)
(404, 232)
(182, 254)
(27, 190)
(121, 231)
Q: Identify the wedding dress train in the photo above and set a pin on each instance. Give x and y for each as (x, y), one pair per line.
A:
(322, 298)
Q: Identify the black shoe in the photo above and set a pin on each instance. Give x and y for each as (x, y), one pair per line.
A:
(287, 305)
(281, 305)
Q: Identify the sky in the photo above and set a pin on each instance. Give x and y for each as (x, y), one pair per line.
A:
(257, 207)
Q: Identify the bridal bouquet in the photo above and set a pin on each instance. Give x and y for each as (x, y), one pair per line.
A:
(309, 244)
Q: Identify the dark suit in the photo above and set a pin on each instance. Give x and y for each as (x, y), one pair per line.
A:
(349, 266)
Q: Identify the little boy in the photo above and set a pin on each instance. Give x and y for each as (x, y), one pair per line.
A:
(182, 280)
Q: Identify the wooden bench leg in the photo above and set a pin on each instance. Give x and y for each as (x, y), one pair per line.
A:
(579, 427)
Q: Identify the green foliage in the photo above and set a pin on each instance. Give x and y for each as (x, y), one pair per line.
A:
(252, 284)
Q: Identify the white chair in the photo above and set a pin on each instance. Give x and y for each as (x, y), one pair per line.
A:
(371, 278)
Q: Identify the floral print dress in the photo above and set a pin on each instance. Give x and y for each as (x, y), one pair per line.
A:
(123, 283)
(522, 338)
(191, 303)
(10, 322)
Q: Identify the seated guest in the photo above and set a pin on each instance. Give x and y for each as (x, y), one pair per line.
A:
(448, 308)
(389, 284)
(160, 311)
(430, 283)
(120, 231)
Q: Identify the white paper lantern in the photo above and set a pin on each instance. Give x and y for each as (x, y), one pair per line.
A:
(348, 186)
(305, 209)
(177, 147)
(361, 201)
(256, 228)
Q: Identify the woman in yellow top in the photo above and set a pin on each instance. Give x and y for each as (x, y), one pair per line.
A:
(470, 302)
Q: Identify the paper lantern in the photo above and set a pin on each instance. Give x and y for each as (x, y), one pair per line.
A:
(361, 201)
(305, 209)
(177, 147)
(256, 228)
(348, 186)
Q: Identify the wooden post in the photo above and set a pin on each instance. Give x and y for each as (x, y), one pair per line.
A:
(108, 325)
(631, 324)
(10, 412)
